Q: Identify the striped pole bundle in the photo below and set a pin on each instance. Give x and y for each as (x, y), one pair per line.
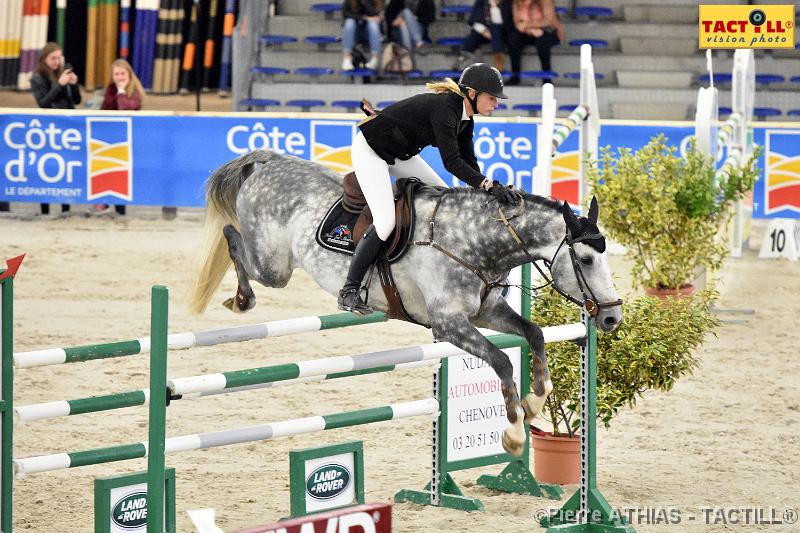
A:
(34, 36)
(381, 361)
(61, 21)
(200, 441)
(144, 42)
(10, 41)
(124, 28)
(101, 41)
(208, 49)
(168, 43)
(563, 131)
(227, 48)
(184, 341)
(190, 52)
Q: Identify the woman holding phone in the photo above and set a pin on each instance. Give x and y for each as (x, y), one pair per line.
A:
(55, 86)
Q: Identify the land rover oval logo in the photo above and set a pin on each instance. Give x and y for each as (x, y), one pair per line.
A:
(328, 481)
(130, 512)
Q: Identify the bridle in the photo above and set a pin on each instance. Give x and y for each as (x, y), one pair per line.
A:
(590, 301)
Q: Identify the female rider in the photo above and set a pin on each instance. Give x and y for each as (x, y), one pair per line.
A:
(389, 143)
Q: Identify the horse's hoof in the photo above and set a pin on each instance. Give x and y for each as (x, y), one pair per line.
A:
(511, 447)
(230, 303)
(533, 405)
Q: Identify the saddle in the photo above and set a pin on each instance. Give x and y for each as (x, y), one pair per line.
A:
(350, 216)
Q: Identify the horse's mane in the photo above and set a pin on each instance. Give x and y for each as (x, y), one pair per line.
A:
(528, 197)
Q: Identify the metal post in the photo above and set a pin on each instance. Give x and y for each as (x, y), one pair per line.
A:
(159, 315)
(7, 384)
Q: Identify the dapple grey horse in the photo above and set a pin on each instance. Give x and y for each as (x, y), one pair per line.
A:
(264, 209)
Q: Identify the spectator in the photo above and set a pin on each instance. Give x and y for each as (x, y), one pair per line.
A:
(124, 93)
(401, 19)
(54, 86)
(360, 16)
(488, 24)
(425, 11)
(536, 23)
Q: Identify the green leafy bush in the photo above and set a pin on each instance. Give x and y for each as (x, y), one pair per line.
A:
(668, 210)
(651, 349)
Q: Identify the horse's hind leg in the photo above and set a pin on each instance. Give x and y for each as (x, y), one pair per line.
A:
(457, 330)
(245, 299)
(498, 315)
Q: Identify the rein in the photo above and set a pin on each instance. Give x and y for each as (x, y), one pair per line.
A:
(488, 283)
(589, 302)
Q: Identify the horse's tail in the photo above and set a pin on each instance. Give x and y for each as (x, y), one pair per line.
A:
(213, 260)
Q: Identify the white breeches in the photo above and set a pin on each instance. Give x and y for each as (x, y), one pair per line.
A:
(372, 174)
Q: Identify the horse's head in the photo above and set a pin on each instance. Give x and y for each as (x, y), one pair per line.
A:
(580, 268)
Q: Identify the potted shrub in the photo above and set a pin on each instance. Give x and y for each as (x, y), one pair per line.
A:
(668, 210)
(651, 349)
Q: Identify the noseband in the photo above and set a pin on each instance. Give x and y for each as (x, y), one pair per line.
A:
(589, 302)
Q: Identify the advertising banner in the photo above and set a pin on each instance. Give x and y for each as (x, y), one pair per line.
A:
(158, 159)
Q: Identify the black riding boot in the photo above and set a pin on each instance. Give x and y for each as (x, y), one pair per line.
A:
(367, 251)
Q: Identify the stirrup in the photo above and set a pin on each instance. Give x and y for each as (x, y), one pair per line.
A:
(350, 300)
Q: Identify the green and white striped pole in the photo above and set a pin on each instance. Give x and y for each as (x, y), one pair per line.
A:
(184, 341)
(200, 441)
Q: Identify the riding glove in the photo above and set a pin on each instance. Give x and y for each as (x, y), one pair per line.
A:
(502, 194)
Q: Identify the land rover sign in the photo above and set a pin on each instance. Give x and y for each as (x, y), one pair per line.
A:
(328, 481)
(130, 511)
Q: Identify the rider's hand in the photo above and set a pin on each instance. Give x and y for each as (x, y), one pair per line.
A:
(503, 195)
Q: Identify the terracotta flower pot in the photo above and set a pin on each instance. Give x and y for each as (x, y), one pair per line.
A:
(556, 459)
(682, 292)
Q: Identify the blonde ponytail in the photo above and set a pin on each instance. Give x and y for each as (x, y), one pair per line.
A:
(448, 85)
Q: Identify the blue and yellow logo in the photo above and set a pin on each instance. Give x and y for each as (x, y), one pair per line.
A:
(782, 175)
(110, 158)
(330, 144)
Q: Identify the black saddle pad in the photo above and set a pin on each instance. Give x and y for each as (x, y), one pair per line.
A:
(335, 232)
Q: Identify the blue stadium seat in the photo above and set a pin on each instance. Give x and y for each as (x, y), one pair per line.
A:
(444, 73)
(538, 74)
(531, 109)
(769, 79)
(501, 106)
(452, 42)
(594, 12)
(315, 73)
(766, 112)
(562, 10)
(385, 103)
(258, 103)
(358, 73)
(322, 41)
(722, 77)
(328, 8)
(795, 79)
(594, 43)
(567, 107)
(459, 10)
(277, 40)
(577, 75)
(350, 105)
(268, 72)
(725, 111)
(793, 112)
(305, 104)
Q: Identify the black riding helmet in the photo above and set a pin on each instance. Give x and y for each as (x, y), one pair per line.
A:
(484, 79)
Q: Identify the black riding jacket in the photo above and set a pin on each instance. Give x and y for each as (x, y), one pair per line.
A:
(403, 129)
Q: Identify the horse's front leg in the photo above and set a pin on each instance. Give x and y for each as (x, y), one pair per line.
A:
(496, 314)
(245, 297)
(457, 330)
